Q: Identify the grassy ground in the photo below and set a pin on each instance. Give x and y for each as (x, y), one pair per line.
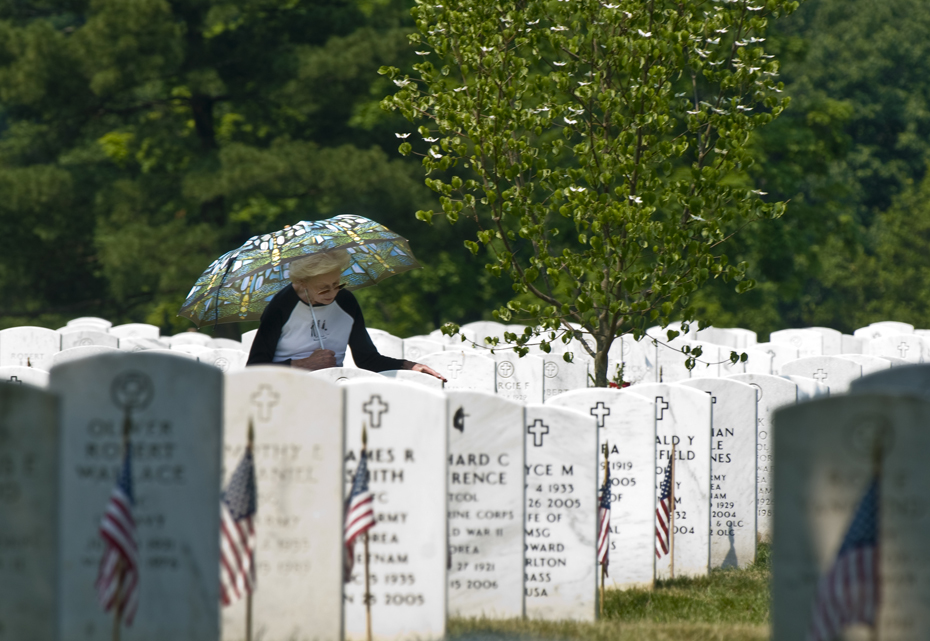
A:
(728, 605)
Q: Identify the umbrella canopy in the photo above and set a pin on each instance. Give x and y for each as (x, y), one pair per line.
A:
(239, 284)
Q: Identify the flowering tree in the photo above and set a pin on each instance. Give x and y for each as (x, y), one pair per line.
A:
(598, 147)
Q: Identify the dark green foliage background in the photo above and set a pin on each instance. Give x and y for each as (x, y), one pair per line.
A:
(140, 139)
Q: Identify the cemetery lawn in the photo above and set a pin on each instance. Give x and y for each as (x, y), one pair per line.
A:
(728, 605)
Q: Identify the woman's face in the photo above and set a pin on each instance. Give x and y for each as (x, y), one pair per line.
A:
(322, 289)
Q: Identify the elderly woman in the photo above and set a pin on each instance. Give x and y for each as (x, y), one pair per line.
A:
(310, 322)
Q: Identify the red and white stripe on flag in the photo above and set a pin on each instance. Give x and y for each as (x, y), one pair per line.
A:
(603, 536)
(360, 516)
(237, 556)
(847, 595)
(118, 577)
(663, 521)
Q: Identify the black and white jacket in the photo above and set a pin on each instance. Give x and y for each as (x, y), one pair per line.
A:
(287, 332)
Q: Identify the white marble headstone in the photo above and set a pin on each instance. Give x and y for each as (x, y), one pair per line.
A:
(626, 425)
(908, 347)
(228, 343)
(561, 516)
(83, 337)
(298, 451)
(639, 359)
(870, 364)
(883, 328)
(464, 370)
(481, 331)
(670, 361)
(135, 330)
(176, 439)
(409, 376)
(907, 379)
(733, 458)
(407, 446)
(560, 376)
(486, 505)
(834, 371)
(141, 344)
(826, 453)
(772, 393)
(227, 360)
(808, 388)
(29, 502)
(190, 338)
(73, 354)
(781, 353)
(247, 338)
(24, 375)
(852, 344)
(758, 361)
(103, 323)
(26, 346)
(344, 374)
(832, 340)
(416, 348)
(808, 342)
(386, 343)
(519, 378)
(683, 418)
(194, 349)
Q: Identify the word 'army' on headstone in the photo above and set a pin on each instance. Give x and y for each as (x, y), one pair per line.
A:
(175, 411)
(297, 452)
(28, 513)
(683, 419)
(732, 470)
(486, 505)
(852, 469)
(772, 393)
(627, 427)
(465, 370)
(407, 450)
(561, 514)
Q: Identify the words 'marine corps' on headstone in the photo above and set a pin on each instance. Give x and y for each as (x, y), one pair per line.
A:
(772, 393)
(407, 450)
(561, 514)
(683, 419)
(176, 414)
(732, 471)
(627, 426)
(28, 513)
(297, 453)
(486, 505)
(830, 451)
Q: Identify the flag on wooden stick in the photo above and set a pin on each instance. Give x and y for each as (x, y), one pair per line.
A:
(237, 532)
(118, 577)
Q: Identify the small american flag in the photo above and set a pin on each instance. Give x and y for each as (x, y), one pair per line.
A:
(663, 513)
(849, 592)
(603, 515)
(118, 577)
(360, 514)
(237, 532)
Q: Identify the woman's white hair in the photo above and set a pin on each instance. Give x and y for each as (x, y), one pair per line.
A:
(304, 269)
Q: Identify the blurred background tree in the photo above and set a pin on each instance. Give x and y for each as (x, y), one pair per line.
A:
(140, 139)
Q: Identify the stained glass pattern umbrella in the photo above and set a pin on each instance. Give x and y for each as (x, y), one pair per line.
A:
(239, 284)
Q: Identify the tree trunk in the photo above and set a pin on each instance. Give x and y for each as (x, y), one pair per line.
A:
(600, 363)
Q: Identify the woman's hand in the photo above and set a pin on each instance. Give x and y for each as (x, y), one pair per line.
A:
(320, 359)
(425, 369)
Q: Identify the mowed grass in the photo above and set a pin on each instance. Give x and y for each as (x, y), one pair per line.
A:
(728, 605)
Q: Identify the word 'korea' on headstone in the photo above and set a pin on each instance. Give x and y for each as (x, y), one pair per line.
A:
(466, 370)
(627, 427)
(561, 515)
(407, 449)
(683, 419)
(852, 469)
(29, 490)
(297, 452)
(732, 470)
(772, 393)
(175, 409)
(486, 505)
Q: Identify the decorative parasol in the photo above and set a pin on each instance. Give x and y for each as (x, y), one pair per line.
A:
(239, 284)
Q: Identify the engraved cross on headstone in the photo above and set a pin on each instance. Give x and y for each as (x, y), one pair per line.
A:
(15, 379)
(902, 348)
(600, 411)
(538, 429)
(820, 375)
(375, 408)
(265, 399)
(455, 367)
(661, 406)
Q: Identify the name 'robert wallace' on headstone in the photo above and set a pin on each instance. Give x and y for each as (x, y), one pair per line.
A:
(627, 426)
(176, 439)
(561, 515)
(486, 505)
(297, 452)
(683, 419)
(407, 449)
(28, 513)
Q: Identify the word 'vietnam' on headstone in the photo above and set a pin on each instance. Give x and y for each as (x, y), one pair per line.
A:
(465, 370)
(831, 453)
(175, 405)
(486, 505)
(561, 515)
(732, 470)
(297, 453)
(407, 449)
(683, 419)
(772, 393)
(28, 513)
(627, 427)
